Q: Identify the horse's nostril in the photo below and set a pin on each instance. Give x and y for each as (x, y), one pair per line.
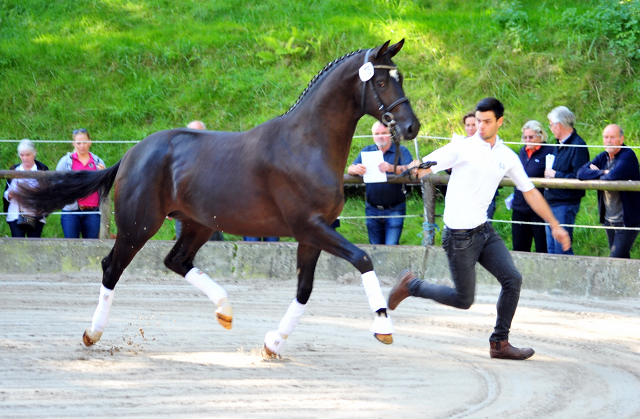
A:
(410, 129)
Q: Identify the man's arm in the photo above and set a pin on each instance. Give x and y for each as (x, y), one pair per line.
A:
(356, 169)
(539, 205)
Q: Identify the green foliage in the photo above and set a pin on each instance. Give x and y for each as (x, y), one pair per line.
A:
(125, 69)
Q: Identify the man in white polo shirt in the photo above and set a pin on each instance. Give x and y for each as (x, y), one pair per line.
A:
(479, 164)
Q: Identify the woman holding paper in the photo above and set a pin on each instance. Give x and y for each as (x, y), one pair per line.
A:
(533, 156)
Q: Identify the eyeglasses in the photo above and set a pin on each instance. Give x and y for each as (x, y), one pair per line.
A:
(79, 131)
(529, 137)
(552, 124)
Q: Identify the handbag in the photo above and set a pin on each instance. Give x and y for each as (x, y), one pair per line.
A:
(27, 220)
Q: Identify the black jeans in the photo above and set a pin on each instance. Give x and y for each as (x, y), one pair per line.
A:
(463, 251)
(620, 241)
(523, 234)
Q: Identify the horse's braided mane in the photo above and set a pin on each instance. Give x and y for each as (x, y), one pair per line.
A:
(326, 68)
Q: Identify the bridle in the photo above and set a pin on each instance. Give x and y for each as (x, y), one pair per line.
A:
(387, 117)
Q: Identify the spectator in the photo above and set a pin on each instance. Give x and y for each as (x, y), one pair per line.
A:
(533, 157)
(564, 203)
(217, 235)
(20, 222)
(260, 239)
(469, 122)
(384, 199)
(74, 222)
(617, 208)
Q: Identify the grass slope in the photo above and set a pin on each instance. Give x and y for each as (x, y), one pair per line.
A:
(124, 69)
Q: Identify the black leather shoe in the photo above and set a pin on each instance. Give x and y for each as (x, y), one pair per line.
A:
(400, 291)
(504, 350)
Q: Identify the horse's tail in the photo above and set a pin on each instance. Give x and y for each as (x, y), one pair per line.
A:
(57, 189)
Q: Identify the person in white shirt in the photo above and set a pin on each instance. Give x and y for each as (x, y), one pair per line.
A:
(479, 164)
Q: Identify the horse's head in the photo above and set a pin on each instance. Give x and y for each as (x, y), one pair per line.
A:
(382, 93)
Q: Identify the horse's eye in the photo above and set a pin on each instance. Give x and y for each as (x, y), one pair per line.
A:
(381, 84)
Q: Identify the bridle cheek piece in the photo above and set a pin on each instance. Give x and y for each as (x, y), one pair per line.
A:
(387, 117)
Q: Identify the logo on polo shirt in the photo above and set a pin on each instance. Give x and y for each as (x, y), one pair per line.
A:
(90, 165)
(501, 166)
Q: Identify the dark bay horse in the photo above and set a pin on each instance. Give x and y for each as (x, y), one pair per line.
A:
(282, 178)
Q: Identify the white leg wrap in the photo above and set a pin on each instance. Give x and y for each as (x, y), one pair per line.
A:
(382, 325)
(204, 283)
(374, 293)
(101, 315)
(291, 318)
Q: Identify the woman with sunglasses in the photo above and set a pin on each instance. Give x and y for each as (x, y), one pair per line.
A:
(20, 223)
(532, 156)
(84, 214)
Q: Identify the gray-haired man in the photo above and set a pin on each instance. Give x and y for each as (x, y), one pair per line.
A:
(564, 203)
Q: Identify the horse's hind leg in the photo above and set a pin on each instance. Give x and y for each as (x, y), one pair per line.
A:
(130, 239)
(180, 260)
(274, 341)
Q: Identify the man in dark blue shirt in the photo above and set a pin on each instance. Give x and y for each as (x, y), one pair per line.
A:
(617, 208)
(384, 199)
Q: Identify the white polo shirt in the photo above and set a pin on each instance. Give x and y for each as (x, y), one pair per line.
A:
(477, 169)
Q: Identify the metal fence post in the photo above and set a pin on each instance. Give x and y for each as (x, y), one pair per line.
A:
(429, 200)
(105, 218)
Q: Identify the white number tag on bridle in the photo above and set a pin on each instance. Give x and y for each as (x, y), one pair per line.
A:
(366, 71)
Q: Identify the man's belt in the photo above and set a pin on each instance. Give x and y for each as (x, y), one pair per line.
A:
(383, 207)
(88, 208)
(468, 231)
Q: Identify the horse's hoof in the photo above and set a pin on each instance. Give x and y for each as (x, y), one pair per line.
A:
(268, 353)
(386, 339)
(225, 321)
(224, 313)
(274, 343)
(89, 338)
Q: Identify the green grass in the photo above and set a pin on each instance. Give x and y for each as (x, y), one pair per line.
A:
(125, 69)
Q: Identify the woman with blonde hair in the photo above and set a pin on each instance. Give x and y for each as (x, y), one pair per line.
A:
(21, 223)
(532, 156)
(75, 222)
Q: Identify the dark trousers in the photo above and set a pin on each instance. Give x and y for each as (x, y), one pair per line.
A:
(463, 251)
(25, 230)
(385, 230)
(522, 235)
(620, 241)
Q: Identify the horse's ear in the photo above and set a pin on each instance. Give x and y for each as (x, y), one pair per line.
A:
(377, 52)
(395, 48)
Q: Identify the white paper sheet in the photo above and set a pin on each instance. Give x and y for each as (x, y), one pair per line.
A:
(372, 161)
(549, 161)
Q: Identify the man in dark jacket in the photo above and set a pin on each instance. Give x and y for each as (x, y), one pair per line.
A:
(564, 203)
(617, 208)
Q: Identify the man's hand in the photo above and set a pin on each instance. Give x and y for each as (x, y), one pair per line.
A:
(357, 169)
(561, 236)
(549, 173)
(386, 167)
(593, 167)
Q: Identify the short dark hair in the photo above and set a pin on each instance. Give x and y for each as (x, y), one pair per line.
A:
(491, 104)
(468, 115)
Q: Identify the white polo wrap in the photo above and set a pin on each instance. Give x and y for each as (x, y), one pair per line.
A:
(101, 315)
(374, 293)
(291, 318)
(204, 283)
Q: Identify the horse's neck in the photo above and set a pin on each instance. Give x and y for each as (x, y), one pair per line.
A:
(332, 113)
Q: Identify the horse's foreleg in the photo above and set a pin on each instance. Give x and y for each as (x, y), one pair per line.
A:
(100, 317)
(180, 260)
(331, 241)
(274, 341)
